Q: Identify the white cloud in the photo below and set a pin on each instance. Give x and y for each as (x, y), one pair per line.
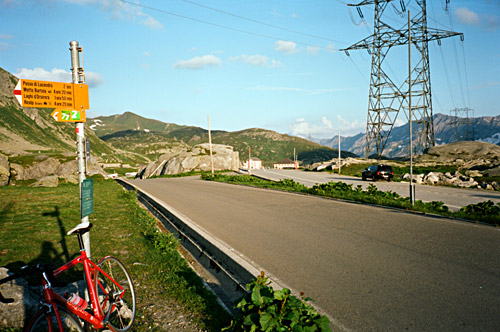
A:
(198, 62)
(330, 48)
(288, 47)
(257, 60)
(122, 10)
(326, 122)
(326, 128)
(313, 50)
(467, 16)
(57, 75)
(150, 22)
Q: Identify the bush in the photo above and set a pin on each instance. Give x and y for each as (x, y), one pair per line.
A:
(265, 309)
(483, 208)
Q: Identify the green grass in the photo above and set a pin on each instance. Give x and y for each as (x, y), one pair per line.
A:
(486, 212)
(34, 222)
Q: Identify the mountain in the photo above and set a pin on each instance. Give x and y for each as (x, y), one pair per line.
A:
(153, 138)
(447, 129)
(106, 125)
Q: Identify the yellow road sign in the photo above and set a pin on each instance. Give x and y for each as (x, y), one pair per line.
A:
(61, 115)
(45, 94)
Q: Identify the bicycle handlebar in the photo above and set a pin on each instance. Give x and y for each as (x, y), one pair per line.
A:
(3, 281)
(25, 270)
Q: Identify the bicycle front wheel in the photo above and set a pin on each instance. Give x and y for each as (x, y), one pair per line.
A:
(45, 321)
(116, 293)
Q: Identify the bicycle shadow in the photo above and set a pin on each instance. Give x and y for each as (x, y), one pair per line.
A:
(27, 291)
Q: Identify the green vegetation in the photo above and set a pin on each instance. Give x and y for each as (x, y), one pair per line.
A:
(483, 212)
(356, 169)
(14, 119)
(265, 309)
(121, 228)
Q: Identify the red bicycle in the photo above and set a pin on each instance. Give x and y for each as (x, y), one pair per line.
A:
(110, 292)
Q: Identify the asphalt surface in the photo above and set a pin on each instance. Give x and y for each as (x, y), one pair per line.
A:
(454, 198)
(368, 268)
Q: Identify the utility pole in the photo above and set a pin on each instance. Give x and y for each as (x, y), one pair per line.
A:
(339, 153)
(79, 77)
(387, 97)
(210, 144)
(412, 188)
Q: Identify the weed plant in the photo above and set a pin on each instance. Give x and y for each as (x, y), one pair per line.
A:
(269, 310)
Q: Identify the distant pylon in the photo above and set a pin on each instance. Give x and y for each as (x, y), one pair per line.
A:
(462, 117)
(386, 99)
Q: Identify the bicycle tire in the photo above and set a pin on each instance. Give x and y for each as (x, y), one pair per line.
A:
(40, 322)
(116, 300)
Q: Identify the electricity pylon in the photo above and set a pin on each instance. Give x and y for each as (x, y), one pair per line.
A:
(386, 99)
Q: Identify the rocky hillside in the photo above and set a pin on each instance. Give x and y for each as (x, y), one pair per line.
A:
(24, 130)
(486, 129)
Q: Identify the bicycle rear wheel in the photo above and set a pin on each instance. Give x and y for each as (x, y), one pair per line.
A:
(116, 293)
(45, 321)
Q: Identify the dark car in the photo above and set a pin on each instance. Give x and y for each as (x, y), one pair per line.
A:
(376, 172)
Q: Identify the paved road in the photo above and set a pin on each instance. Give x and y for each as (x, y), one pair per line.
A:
(454, 198)
(370, 268)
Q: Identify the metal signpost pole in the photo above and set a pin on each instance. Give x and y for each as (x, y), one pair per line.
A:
(78, 77)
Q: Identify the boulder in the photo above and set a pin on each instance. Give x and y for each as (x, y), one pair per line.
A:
(433, 178)
(67, 168)
(198, 159)
(17, 172)
(44, 168)
(26, 302)
(4, 170)
(47, 181)
(495, 185)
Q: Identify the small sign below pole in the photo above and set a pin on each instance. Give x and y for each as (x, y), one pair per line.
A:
(87, 197)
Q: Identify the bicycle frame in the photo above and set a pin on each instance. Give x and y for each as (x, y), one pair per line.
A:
(98, 320)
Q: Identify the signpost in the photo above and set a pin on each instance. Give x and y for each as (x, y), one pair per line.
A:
(69, 115)
(45, 94)
(69, 100)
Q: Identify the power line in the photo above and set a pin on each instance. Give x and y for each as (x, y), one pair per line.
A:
(222, 26)
(262, 23)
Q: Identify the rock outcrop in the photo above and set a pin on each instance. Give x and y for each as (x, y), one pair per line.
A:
(47, 171)
(198, 159)
(26, 304)
(4, 170)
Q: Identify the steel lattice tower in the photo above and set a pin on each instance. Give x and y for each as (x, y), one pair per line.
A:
(386, 99)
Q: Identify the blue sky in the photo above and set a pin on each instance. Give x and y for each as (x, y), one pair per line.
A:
(272, 64)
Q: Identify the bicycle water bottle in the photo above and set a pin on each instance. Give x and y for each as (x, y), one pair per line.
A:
(77, 300)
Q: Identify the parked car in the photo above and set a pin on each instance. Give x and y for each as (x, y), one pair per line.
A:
(376, 172)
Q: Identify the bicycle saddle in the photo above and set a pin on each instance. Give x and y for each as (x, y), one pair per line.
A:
(81, 228)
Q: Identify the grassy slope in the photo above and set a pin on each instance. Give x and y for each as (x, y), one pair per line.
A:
(121, 228)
